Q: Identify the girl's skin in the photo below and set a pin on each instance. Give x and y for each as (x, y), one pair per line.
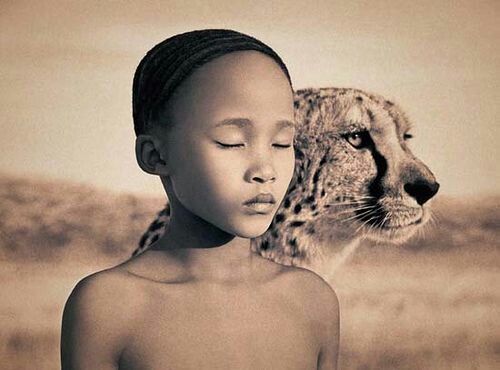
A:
(200, 299)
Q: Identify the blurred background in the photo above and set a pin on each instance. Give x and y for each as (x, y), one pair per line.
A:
(73, 200)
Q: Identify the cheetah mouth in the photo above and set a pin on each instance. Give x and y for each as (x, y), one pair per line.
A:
(416, 222)
(395, 225)
(392, 218)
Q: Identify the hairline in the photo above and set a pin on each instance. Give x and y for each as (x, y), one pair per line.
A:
(165, 107)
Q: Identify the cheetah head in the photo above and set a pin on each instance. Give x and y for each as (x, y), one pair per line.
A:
(355, 176)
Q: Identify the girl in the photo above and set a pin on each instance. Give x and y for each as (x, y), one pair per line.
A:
(213, 114)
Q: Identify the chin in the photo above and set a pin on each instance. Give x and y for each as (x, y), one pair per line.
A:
(396, 235)
(250, 233)
(252, 228)
(398, 232)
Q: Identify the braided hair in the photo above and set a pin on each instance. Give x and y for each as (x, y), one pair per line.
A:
(170, 62)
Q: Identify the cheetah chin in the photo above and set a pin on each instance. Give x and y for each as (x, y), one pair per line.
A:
(355, 178)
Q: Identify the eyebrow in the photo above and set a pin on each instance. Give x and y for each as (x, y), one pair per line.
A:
(243, 122)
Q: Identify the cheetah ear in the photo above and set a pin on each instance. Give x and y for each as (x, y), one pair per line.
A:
(148, 155)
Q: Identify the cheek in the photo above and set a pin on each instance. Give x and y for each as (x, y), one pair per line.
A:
(208, 175)
(290, 165)
(284, 164)
(223, 175)
(285, 171)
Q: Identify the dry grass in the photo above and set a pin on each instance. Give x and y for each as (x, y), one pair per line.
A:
(420, 313)
(433, 304)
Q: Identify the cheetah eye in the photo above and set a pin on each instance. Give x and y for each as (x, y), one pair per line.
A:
(407, 136)
(358, 140)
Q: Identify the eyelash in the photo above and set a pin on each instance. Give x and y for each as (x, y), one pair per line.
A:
(228, 146)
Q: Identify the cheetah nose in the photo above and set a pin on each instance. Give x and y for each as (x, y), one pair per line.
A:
(422, 191)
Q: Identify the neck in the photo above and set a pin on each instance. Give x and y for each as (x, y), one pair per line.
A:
(204, 251)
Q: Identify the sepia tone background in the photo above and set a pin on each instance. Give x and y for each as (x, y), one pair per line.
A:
(73, 200)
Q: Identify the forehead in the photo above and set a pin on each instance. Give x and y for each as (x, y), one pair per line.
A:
(237, 72)
(245, 123)
(238, 84)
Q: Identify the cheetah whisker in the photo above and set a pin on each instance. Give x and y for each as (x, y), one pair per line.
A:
(375, 227)
(365, 222)
(355, 200)
(370, 211)
(386, 218)
(379, 225)
(346, 203)
(372, 226)
(351, 210)
(361, 215)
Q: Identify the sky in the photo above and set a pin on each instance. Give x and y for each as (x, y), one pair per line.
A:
(66, 72)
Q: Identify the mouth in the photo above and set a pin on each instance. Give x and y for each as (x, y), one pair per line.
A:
(263, 203)
(394, 224)
(261, 198)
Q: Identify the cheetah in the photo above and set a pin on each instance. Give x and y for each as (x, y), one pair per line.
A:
(355, 178)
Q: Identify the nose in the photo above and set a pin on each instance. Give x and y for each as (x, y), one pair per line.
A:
(422, 190)
(261, 173)
(264, 177)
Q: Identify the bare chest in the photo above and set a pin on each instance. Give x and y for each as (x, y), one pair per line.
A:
(222, 330)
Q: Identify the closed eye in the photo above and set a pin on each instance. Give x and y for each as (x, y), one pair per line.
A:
(226, 146)
(282, 146)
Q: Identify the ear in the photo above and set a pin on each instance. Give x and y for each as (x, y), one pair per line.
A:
(148, 155)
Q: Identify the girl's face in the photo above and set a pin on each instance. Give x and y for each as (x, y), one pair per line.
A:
(230, 139)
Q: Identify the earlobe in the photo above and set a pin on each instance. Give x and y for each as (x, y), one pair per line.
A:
(148, 155)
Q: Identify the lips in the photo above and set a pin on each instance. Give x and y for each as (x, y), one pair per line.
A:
(262, 204)
(261, 198)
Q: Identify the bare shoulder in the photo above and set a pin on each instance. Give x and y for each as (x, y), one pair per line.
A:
(97, 319)
(318, 301)
(103, 290)
(311, 287)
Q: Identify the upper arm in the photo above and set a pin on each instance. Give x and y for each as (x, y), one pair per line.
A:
(329, 352)
(92, 332)
(322, 303)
